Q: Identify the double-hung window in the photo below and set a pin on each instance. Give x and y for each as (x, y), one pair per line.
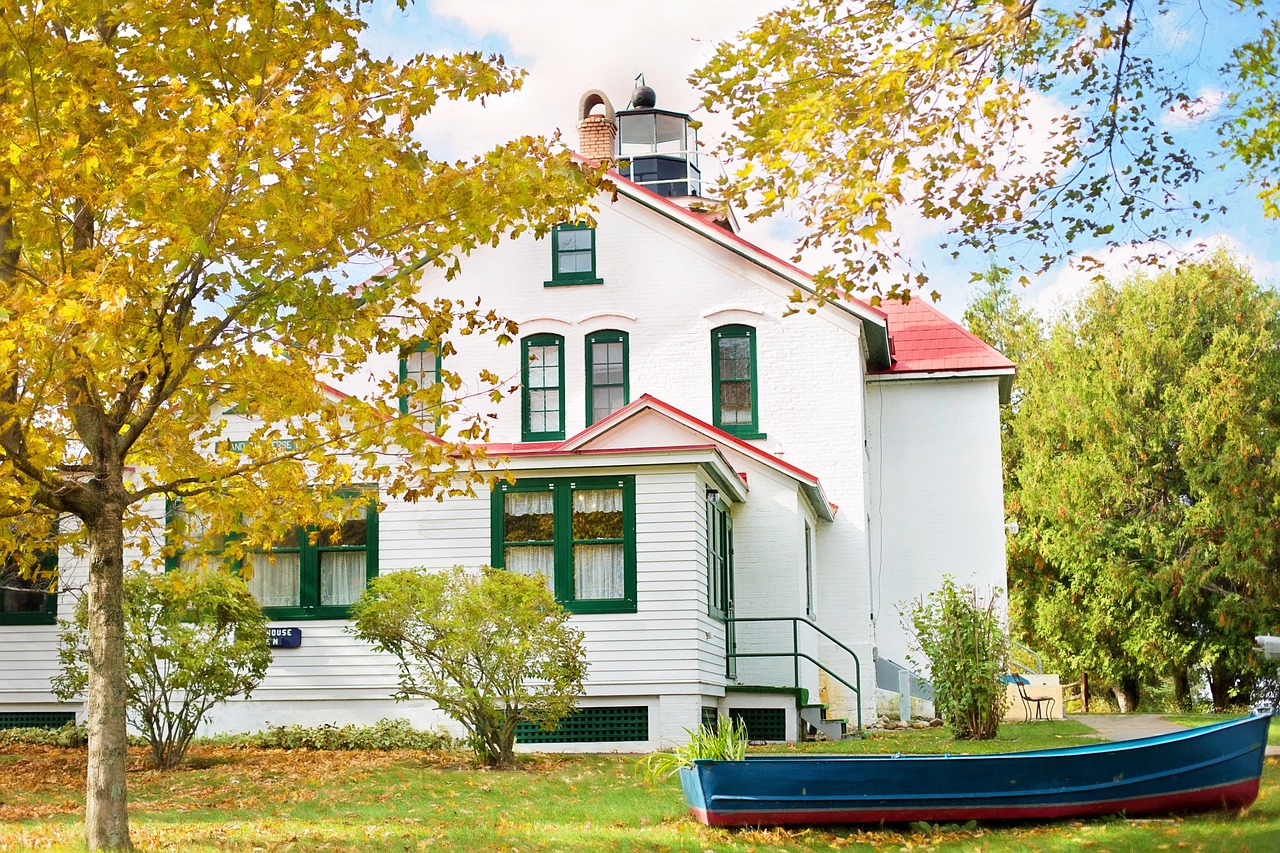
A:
(579, 534)
(421, 369)
(573, 255)
(735, 391)
(542, 388)
(313, 572)
(29, 597)
(607, 389)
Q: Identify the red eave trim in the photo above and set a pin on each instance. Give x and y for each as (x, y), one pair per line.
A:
(648, 400)
(728, 237)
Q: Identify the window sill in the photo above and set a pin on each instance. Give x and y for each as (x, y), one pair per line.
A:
(293, 614)
(746, 434)
(532, 437)
(588, 607)
(571, 282)
(28, 619)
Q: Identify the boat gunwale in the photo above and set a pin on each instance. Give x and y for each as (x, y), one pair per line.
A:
(1114, 746)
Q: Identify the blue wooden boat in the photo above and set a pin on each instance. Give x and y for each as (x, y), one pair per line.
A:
(1202, 769)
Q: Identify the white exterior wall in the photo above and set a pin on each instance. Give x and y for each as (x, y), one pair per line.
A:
(937, 502)
(913, 468)
(668, 288)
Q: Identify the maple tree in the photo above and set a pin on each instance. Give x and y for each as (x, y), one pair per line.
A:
(181, 185)
(1018, 126)
(1146, 482)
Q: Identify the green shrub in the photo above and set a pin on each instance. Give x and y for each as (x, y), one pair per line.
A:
(964, 642)
(193, 639)
(490, 649)
(383, 735)
(725, 741)
(67, 735)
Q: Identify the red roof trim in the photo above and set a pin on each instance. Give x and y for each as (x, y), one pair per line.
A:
(720, 234)
(649, 401)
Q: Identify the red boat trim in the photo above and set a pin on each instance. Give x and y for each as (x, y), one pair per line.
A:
(1232, 796)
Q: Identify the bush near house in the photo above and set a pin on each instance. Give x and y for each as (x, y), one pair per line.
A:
(490, 649)
(967, 649)
(193, 640)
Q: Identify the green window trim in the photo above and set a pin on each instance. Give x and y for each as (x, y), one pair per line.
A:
(418, 374)
(608, 379)
(554, 536)
(45, 615)
(719, 557)
(573, 255)
(542, 404)
(808, 570)
(735, 385)
(310, 548)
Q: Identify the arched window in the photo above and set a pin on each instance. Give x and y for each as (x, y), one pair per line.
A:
(734, 389)
(607, 380)
(542, 388)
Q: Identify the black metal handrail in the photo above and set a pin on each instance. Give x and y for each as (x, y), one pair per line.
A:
(795, 654)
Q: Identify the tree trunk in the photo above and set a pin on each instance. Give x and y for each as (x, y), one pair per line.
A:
(1182, 689)
(1126, 693)
(106, 822)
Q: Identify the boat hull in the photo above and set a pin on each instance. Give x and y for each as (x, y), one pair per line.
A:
(1205, 769)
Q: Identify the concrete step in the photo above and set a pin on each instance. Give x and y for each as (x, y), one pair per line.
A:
(815, 717)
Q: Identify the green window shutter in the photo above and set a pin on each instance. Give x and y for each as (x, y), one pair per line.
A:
(608, 374)
(577, 533)
(573, 255)
(735, 403)
(542, 388)
(421, 367)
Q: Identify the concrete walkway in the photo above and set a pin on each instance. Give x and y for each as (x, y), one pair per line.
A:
(1130, 726)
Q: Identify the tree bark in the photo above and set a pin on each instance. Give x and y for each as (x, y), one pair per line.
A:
(1182, 689)
(106, 804)
(1126, 693)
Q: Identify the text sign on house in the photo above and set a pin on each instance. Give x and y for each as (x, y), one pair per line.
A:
(284, 638)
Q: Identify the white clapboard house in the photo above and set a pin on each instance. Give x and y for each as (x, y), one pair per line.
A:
(765, 487)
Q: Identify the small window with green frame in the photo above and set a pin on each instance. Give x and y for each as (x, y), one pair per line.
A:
(420, 368)
(719, 556)
(809, 608)
(735, 389)
(573, 255)
(607, 381)
(312, 572)
(579, 534)
(542, 388)
(28, 588)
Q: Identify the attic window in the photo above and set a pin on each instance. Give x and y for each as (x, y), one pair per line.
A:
(573, 255)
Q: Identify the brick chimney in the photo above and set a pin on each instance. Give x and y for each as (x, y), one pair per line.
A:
(596, 133)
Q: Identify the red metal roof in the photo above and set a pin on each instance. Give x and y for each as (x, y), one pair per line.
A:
(927, 341)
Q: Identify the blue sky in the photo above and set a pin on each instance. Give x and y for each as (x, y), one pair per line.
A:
(570, 46)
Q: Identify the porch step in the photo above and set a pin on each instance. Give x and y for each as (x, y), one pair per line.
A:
(815, 717)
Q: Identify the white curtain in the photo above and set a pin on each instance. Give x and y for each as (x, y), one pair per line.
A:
(534, 561)
(342, 576)
(597, 571)
(276, 579)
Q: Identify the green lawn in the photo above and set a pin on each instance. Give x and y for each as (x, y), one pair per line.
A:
(231, 799)
(1273, 733)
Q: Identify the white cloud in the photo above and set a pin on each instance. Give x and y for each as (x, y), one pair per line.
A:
(1060, 290)
(568, 48)
(1197, 111)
